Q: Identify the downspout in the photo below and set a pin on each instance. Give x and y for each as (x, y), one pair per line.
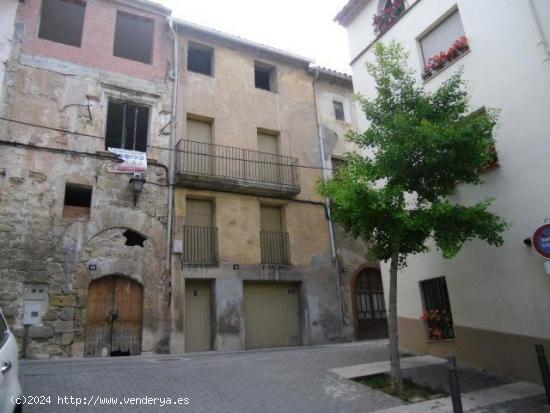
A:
(541, 41)
(327, 204)
(172, 159)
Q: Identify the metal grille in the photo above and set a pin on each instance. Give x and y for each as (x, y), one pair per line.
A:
(275, 247)
(369, 296)
(207, 159)
(436, 298)
(200, 245)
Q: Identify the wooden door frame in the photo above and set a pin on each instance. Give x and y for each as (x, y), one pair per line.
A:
(356, 274)
(114, 277)
(212, 287)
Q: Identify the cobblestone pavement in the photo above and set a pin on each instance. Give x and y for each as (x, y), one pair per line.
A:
(278, 381)
(293, 380)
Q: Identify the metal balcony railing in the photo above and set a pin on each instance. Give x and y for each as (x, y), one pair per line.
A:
(275, 247)
(200, 245)
(207, 165)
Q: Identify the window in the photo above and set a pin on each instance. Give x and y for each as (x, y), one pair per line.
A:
(133, 238)
(199, 59)
(437, 308)
(264, 76)
(442, 37)
(62, 21)
(134, 37)
(78, 199)
(493, 161)
(127, 126)
(338, 110)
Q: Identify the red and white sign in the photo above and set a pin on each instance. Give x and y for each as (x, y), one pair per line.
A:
(132, 161)
(541, 241)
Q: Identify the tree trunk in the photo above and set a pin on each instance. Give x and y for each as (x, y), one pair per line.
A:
(396, 375)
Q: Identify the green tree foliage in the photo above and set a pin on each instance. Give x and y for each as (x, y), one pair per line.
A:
(421, 145)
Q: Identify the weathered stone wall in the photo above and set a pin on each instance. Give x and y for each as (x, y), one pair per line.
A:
(63, 107)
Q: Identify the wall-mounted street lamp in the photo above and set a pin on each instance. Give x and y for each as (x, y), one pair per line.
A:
(136, 183)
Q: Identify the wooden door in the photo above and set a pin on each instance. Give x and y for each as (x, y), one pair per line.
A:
(198, 329)
(370, 306)
(269, 167)
(113, 324)
(271, 315)
(200, 159)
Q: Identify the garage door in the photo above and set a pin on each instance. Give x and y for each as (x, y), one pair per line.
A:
(271, 314)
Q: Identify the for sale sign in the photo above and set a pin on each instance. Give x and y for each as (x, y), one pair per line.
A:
(132, 161)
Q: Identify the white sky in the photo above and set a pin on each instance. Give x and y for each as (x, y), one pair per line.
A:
(304, 27)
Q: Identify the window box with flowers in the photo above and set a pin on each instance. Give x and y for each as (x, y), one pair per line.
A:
(440, 324)
(441, 60)
(383, 20)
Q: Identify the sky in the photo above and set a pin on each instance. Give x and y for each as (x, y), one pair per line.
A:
(303, 27)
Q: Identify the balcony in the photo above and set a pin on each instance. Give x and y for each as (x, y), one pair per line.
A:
(275, 248)
(200, 246)
(218, 167)
(386, 18)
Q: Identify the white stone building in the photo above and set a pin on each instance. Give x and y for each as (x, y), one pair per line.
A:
(499, 297)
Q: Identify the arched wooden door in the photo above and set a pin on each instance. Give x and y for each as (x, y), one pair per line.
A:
(370, 306)
(113, 326)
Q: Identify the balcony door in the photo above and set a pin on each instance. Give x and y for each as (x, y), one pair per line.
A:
(200, 242)
(199, 155)
(269, 165)
(273, 239)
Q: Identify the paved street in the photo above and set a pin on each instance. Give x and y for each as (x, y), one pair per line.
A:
(283, 380)
(261, 381)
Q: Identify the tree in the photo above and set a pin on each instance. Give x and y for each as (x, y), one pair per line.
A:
(420, 147)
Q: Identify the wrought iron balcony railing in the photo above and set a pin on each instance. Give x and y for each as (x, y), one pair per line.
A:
(204, 165)
(200, 245)
(275, 248)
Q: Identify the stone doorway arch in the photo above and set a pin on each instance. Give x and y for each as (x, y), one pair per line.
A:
(114, 317)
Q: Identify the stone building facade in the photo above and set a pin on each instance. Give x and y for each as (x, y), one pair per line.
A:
(67, 222)
(250, 157)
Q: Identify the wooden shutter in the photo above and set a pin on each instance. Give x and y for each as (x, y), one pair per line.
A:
(199, 213)
(271, 218)
(442, 37)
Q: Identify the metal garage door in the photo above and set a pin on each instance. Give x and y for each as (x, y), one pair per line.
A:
(271, 314)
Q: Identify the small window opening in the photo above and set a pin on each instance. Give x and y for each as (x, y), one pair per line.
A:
(62, 21)
(264, 76)
(78, 199)
(127, 126)
(199, 59)
(338, 110)
(133, 238)
(134, 37)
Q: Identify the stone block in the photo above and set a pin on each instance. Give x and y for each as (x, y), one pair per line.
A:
(5, 228)
(67, 313)
(63, 326)
(50, 315)
(40, 331)
(66, 339)
(63, 300)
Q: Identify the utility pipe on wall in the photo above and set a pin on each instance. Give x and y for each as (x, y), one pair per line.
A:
(327, 204)
(541, 41)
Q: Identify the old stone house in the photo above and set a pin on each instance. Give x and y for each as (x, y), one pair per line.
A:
(76, 251)
(222, 242)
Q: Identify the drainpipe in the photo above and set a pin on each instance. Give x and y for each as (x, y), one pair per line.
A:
(327, 204)
(541, 41)
(172, 156)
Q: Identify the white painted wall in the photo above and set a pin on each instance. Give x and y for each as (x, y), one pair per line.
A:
(501, 289)
(8, 9)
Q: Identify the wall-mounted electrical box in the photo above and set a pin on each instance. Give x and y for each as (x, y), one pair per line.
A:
(35, 303)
